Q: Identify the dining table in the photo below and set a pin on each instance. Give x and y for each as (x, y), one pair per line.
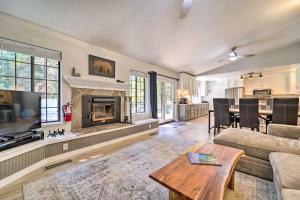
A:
(236, 111)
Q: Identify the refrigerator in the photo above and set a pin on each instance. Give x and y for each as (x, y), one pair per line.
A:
(235, 93)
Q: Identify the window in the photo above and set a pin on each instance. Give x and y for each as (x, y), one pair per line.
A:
(137, 93)
(28, 73)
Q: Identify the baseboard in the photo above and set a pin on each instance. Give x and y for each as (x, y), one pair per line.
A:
(60, 157)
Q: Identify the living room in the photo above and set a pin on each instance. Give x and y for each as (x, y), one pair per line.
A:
(112, 99)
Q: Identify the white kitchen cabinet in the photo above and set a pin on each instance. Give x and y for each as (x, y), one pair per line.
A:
(239, 83)
(188, 83)
(279, 83)
(232, 83)
(298, 78)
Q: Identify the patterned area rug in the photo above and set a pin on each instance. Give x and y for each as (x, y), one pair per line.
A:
(123, 175)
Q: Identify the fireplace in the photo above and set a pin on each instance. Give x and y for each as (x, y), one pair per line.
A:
(100, 110)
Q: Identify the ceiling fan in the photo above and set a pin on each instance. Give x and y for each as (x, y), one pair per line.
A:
(185, 8)
(233, 56)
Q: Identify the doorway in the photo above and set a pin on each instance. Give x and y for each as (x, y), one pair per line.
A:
(165, 100)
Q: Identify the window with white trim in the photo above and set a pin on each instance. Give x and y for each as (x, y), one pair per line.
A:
(25, 72)
(137, 93)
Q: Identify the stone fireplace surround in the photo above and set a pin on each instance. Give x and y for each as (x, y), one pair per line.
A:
(84, 86)
(77, 94)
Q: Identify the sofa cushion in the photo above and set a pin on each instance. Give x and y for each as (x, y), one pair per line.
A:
(290, 194)
(286, 168)
(286, 131)
(256, 144)
(255, 166)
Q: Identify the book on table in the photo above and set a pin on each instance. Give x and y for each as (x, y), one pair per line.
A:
(203, 159)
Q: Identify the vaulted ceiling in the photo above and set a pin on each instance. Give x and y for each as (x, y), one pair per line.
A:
(152, 31)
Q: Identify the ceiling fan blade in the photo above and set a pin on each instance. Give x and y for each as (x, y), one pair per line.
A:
(248, 55)
(185, 8)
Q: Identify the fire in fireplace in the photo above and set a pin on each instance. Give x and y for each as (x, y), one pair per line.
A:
(99, 110)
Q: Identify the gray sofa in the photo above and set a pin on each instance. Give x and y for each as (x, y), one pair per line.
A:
(275, 156)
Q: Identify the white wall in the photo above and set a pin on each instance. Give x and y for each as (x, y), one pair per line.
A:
(281, 81)
(74, 53)
(215, 89)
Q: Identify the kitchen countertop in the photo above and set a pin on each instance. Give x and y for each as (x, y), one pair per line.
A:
(191, 104)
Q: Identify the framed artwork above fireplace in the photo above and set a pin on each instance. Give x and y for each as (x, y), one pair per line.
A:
(101, 67)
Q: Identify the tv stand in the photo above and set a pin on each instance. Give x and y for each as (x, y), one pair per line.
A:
(9, 141)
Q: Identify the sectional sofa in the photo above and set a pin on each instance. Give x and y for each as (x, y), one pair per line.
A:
(275, 156)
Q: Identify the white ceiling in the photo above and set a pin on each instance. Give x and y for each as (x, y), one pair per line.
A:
(237, 74)
(152, 31)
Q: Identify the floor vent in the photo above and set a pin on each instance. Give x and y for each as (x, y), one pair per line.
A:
(58, 164)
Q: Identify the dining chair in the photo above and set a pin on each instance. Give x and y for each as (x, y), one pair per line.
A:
(221, 114)
(285, 111)
(248, 115)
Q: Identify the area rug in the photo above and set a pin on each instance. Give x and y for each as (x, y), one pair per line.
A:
(124, 175)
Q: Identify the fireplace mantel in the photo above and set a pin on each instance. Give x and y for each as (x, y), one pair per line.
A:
(79, 82)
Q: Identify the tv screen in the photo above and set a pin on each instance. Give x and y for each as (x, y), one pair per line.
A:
(19, 111)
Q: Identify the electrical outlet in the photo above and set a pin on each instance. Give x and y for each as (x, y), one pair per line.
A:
(65, 147)
(150, 125)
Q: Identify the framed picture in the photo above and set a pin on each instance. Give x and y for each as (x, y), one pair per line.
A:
(101, 67)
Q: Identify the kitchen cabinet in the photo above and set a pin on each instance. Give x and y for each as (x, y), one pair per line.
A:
(298, 78)
(235, 83)
(279, 83)
(192, 111)
(189, 83)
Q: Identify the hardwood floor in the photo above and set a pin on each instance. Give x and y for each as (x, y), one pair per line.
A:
(195, 129)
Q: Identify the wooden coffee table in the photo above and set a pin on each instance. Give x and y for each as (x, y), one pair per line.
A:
(186, 181)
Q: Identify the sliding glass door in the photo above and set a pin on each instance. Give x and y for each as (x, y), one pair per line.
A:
(165, 100)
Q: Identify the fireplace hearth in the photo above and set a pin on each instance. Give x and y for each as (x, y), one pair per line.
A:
(100, 110)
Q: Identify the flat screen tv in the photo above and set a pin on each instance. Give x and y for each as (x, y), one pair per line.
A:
(19, 112)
